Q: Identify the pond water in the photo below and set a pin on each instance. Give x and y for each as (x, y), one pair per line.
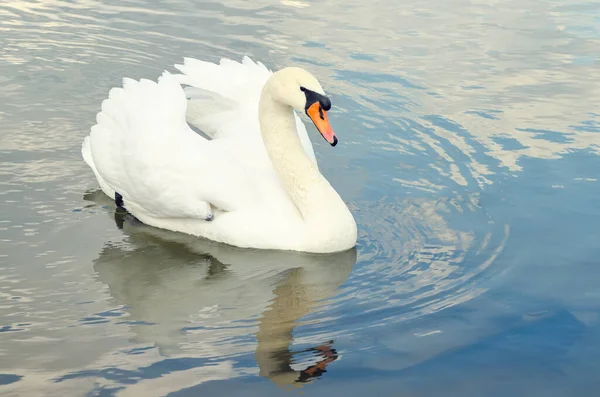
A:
(469, 155)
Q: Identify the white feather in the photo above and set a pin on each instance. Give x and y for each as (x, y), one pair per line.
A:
(142, 148)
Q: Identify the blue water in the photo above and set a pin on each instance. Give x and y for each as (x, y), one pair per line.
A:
(469, 155)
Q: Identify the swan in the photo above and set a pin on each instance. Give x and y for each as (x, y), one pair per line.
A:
(252, 182)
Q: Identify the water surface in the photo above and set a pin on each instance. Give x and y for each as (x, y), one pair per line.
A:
(469, 142)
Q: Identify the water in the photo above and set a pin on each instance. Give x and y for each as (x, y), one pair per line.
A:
(469, 142)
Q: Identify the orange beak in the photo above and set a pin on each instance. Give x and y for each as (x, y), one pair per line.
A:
(319, 117)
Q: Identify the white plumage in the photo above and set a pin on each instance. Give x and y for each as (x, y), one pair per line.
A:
(171, 177)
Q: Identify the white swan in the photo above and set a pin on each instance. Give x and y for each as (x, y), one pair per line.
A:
(254, 184)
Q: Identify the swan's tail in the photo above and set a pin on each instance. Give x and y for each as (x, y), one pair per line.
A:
(86, 152)
(220, 94)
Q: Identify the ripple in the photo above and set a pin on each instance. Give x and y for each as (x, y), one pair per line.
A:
(432, 109)
(416, 257)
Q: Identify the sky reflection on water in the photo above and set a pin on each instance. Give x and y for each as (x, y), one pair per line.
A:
(468, 154)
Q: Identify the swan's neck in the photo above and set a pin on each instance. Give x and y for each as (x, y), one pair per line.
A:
(320, 205)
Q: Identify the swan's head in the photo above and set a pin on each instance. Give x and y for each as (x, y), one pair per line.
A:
(299, 89)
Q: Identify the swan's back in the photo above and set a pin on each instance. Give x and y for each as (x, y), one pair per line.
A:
(223, 100)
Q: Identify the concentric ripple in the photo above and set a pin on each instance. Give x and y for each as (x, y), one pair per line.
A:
(415, 259)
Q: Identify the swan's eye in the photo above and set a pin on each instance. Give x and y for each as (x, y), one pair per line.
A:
(325, 103)
(313, 97)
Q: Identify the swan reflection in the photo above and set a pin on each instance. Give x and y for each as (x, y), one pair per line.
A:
(193, 297)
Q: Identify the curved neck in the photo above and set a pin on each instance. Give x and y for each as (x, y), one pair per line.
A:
(307, 188)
